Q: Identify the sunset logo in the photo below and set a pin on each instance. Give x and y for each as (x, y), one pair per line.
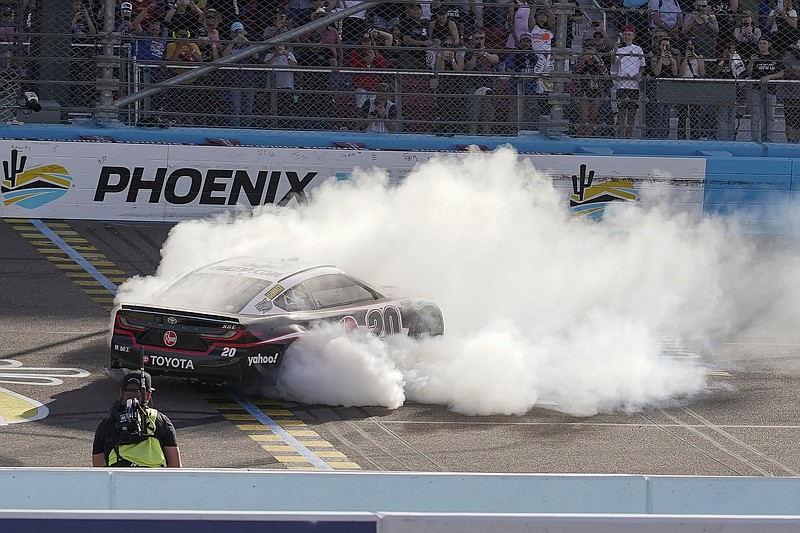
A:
(35, 187)
(591, 199)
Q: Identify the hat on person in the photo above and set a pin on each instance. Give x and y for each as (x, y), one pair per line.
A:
(236, 26)
(319, 13)
(210, 11)
(133, 381)
(629, 28)
(525, 35)
(382, 88)
(126, 6)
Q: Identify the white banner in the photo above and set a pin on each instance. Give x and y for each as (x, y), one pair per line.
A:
(122, 181)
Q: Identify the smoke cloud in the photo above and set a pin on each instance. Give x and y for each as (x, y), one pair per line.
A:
(540, 308)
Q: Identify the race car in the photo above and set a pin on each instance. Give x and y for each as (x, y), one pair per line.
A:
(232, 321)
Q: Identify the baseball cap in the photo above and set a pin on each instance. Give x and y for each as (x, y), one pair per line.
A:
(236, 26)
(525, 35)
(629, 27)
(319, 13)
(133, 381)
(126, 6)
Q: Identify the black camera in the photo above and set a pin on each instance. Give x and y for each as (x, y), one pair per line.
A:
(130, 422)
(31, 101)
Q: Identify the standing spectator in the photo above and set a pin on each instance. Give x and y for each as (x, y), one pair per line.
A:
(702, 27)
(459, 11)
(182, 15)
(442, 26)
(240, 83)
(282, 82)
(124, 22)
(667, 15)
(386, 15)
(449, 93)
(663, 64)
(542, 25)
(149, 47)
(692, 65)
(592, 87)
(480, 88)
(280, 25)
(183, 101)
(380, 111)
(354, 26)
(782, 26)
(729, 67)
(519, 15)
(210, 21)
(316, 99)
(523, 60)
(725, 12)
(369, 59)
(630, 62)
(82, 70)
(764, 67)
(299, 12)
(747, 35)
(414, 34)
(791, 93)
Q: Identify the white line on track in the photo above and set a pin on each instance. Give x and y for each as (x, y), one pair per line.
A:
(75, 256)
(282, 433)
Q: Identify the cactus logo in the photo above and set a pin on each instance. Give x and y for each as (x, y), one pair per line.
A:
(591, 199)
(35, 187)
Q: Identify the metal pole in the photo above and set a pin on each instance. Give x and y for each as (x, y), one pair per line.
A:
(106, 84)
(560, 75)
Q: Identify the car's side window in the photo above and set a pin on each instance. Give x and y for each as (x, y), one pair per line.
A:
(331, 290)
(295, 299)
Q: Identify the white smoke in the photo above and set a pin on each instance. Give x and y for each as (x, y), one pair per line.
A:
(538, 306)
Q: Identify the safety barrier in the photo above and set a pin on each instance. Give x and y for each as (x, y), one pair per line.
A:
(404, 501)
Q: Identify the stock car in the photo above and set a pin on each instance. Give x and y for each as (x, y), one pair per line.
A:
(232, 321)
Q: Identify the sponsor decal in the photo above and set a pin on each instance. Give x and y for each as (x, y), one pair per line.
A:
(350, 324)
(189, 185)
(121, 348)
(262, 359)
(274, 291)
(264, 305)
(35, 187)
(169, 362)
(590, 199)
(146, 359)
(172, 320)
(170, 338)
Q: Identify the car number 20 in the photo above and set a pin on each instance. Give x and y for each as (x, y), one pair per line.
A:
(384, 321)
(228, 352)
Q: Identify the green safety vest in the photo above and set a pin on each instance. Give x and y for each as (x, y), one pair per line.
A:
(146, 453)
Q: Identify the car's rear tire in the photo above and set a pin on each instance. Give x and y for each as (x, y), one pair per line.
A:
(429, 323)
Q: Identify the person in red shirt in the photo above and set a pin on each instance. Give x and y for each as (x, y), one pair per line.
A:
(368, 58)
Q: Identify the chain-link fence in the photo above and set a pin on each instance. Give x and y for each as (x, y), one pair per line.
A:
(660, 70)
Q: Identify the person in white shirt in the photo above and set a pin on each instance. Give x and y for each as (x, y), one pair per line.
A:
(630, 63)
(282, 82)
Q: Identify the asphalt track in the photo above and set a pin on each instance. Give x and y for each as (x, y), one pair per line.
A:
(53, 391)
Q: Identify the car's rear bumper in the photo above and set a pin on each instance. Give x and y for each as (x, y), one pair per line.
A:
(246, 366)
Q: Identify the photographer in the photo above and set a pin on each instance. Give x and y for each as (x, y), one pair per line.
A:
(133, 434)
(692, 65)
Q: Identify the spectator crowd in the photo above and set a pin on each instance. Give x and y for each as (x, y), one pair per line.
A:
(450, 67)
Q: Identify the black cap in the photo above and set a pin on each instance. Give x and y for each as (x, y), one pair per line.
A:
(133, 381)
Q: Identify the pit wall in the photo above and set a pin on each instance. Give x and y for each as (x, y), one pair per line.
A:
(88, 499)
(174, 174)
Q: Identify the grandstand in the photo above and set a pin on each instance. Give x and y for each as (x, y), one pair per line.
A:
(452, 68)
